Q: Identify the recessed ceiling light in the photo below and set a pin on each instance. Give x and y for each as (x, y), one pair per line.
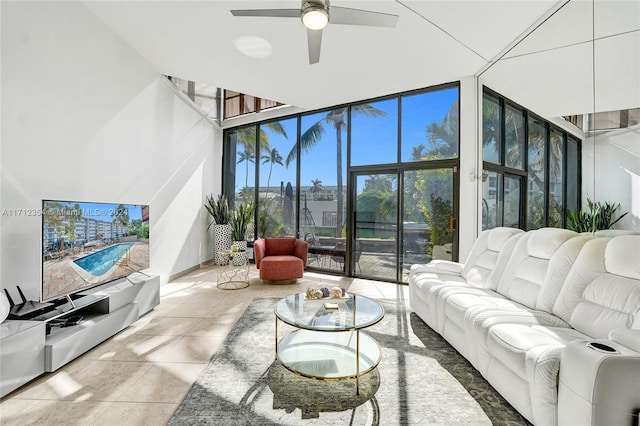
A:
(253, 46)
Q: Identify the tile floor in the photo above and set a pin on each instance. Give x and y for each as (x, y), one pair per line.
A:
(139, 376)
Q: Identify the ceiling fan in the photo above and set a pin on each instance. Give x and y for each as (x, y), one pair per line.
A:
(316, 14)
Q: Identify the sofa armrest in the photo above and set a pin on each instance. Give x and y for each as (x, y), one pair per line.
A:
(439, 266)
(259, 250)
(301, 251)
(598, 386)
(626, 337)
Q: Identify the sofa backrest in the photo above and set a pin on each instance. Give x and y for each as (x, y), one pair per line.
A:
(587, 267)
(560, 265)
(280, 246)
(528, 265)
(612, 299)
(615, 232)
(484, 257)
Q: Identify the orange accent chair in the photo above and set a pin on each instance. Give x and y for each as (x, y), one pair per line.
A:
(280, 260)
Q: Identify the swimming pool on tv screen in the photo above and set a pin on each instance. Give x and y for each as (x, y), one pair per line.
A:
(101, 262)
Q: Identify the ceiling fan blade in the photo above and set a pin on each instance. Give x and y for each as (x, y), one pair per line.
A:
(314, 39)
(348, 16)
(272, 13)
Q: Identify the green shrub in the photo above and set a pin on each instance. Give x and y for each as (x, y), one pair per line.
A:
(438, 221)
(143, 232)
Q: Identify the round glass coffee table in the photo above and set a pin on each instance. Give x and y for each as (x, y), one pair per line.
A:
(327, 343)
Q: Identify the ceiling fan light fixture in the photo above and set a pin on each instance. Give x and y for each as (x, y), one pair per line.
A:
(315, 18)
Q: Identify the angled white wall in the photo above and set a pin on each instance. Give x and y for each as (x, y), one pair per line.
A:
(85, 118)
(612, 175)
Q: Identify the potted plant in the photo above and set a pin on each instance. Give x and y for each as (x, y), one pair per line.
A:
(218, 208)
(597, 216)
(240, 219)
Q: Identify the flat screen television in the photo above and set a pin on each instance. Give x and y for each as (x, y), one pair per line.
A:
(86, 244)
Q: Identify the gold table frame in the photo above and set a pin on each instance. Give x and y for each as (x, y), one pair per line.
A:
(231, 276)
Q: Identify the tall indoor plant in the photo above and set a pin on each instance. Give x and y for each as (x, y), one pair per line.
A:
(597, 216)
(240, 219)
(218, 208)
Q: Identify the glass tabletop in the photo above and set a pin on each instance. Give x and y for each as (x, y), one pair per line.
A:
(239, 251)
(353, 312)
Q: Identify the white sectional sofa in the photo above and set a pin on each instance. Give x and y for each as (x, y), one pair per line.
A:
(526, 303)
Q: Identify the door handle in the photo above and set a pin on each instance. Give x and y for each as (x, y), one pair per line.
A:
(452, 223)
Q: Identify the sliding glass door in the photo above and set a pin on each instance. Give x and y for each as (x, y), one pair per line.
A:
(429, 206)
(400, 217)
(375, 212)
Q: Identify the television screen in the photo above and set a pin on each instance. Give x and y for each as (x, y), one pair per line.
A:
(88, 244)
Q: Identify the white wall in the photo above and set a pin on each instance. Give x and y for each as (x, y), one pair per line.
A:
(84, 117)
(613, 174)
(470, 167)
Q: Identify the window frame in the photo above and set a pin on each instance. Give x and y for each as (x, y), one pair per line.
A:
(505, 170)
(228, 179)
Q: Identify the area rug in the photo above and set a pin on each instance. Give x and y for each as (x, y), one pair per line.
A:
(420, 380)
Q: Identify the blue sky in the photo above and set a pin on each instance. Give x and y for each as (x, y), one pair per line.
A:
(102, 211)
(374, 140)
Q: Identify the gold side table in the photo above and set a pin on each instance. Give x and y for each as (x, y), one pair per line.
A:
(234, 275)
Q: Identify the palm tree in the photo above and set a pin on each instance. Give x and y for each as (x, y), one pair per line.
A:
(514, 131)
(317, 186)
(120, 217)
(490, 123)
(248, 157)
(246, 192)
(379, 183)
(443, 137)
(273, 157)
(63, 218)
(417, 152)
(247, 138)
(338, 119)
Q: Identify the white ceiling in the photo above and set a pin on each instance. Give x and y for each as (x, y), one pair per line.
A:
(435, 42)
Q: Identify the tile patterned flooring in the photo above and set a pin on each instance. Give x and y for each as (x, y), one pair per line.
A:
(139, 376)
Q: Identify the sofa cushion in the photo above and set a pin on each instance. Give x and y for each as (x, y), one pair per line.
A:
(284, 267)
(478, 273)
(622, 256)
(532, 352)
(280, 246)
(437, 266)
(498, 237)
(558, 270)
(602, 292)
(610, 301)
(484, 259)
(610, 233)
(545, 241)
(527, 281)
(484, 256)
(589, 264)
(527, 268)
(423, 288)
(456, 305)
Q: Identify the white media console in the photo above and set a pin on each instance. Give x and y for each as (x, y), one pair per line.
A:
(30, 348)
